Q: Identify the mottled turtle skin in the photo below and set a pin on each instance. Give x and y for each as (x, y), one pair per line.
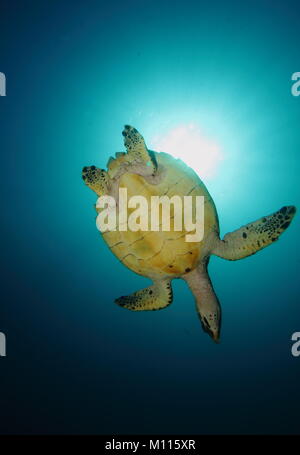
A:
(164, 255)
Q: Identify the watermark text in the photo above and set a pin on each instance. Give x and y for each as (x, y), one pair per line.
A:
(161, 213)
(296, 345)
(296, 86)
(2, 84)
(2, 345)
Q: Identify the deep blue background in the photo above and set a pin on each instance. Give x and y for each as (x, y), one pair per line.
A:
(76, 72)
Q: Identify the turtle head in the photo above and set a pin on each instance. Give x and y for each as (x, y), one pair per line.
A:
(96, 179)
(211, 321)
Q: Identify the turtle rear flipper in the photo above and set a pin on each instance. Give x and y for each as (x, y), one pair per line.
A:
(155, 297)
(254, 236)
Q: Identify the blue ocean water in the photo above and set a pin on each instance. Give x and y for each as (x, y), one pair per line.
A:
(76, 73)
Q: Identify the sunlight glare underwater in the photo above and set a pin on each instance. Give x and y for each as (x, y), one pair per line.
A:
(189, 143)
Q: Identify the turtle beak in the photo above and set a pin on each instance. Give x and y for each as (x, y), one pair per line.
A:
(216, 337)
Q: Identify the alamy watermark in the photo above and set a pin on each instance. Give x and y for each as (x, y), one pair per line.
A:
(2, 345)
(2, 336)
(296, 86)
(296, 346)
(187, 214)
(2, 84)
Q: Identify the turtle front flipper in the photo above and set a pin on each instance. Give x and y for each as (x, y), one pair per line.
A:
(137, 152)
(254, 236)
(137, 160)
(96, 179)
(155, 297)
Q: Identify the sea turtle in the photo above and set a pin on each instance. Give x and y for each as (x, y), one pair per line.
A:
(165, 255)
